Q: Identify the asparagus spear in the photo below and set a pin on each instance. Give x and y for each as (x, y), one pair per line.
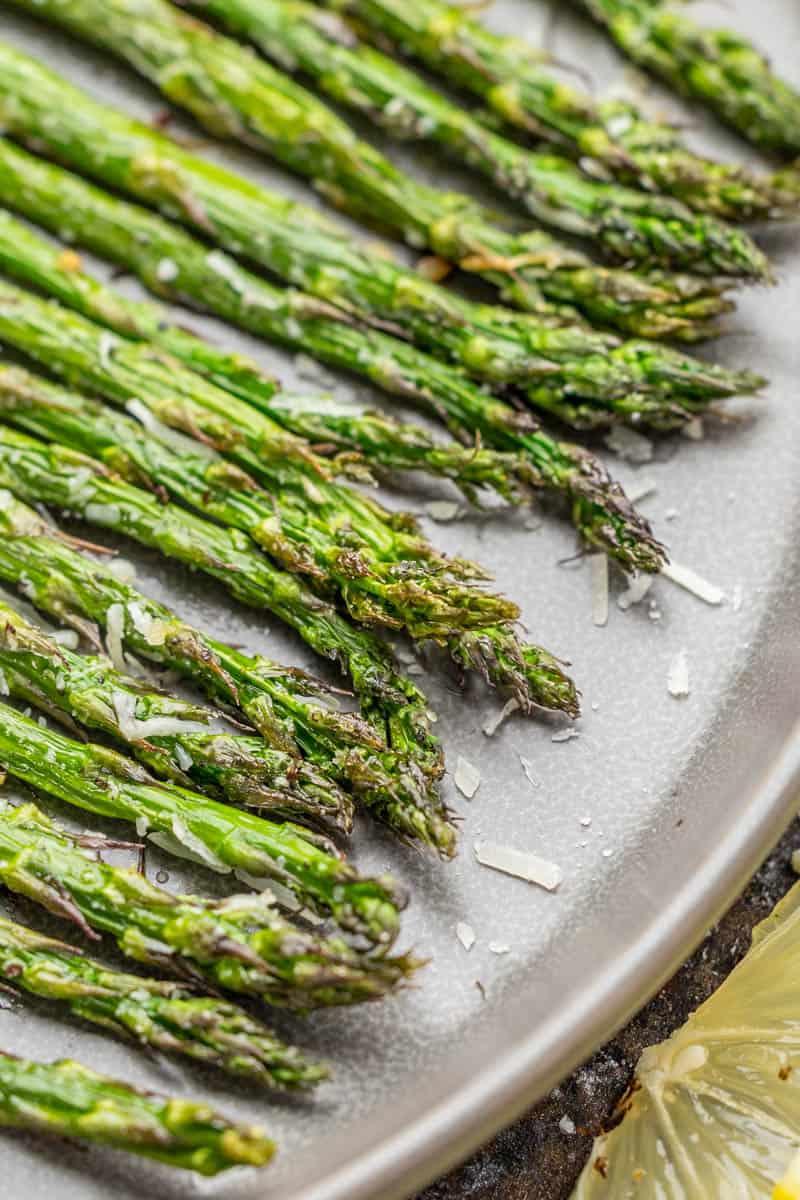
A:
(79, 485)
(356, 437)
(170, 736)
(647, 383)
(235, 95)
(428, 599)
(155, 1012)
(174, 264)
(281, 702)
(70, 1100)
(99, 780)
(240, 943)
(41, 109)
(717, 66)
(510, 76)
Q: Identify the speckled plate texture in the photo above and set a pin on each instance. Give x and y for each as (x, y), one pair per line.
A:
(656, 812)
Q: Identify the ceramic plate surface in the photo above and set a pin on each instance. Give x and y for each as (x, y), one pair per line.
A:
(656, 812)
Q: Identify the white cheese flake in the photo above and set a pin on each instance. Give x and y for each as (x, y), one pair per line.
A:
(520, 863)
(68, 638)
(443, 510)
(491, 726)
(637, 589)
(132, 727)
(466, 935)
(599, 589)
(166, 271)
(565, 735)
(527, 767)
(678, 676)
(690, 581)
(467, 777)
(640, 491)
(628, 444)
(694, 430)
(115, 629)
(499, 948)
(567, 1125)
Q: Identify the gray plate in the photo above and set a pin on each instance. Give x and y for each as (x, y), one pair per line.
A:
(683, 796)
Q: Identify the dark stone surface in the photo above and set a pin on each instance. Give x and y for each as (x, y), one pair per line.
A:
(535, 1159)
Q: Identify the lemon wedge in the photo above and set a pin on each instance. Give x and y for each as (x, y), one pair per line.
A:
(714, 1112)
(789, 1186)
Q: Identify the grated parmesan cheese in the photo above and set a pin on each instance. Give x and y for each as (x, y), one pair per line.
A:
(491, 727)
(519, 863)
(443, 510)
(690, 581)
(467, 778)
(466, 935)
(599, 589)
(678, 676)
(637, 589)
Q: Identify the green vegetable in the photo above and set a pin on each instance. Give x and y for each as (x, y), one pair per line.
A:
(154, 1012)
(283, 703)
(643, 382)
(510, 76)
(235, 95)
(240, 943)
(101, 781)
(70, 1100)
(213, 282)
(717, 66)
(385, 577)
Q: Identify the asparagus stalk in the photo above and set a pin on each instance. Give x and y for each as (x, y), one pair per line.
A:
(235, 95)
(154, 1012)
(717, 66)
(101, 781)
(334, 426)
(359, 439)
(644, 382)
(41, 109)
(509, 75)
(240, 943)
(428, 600)
(170, 736)
(172, 263)
(70, 1100)
(77, 484)
(281, 702)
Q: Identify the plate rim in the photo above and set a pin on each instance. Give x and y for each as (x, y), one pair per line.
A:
(420, 1153)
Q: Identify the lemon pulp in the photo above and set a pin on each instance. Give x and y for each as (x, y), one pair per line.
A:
(714, 1112)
